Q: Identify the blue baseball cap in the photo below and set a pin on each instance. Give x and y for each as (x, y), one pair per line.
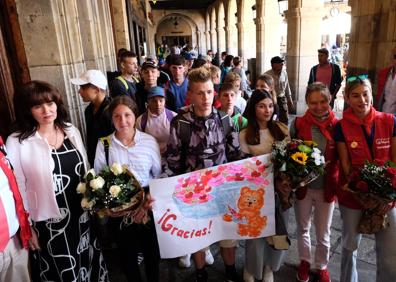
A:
(188, 57)
(156, 91)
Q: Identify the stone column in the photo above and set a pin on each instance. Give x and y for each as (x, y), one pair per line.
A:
(227, 31)
(303, 41)
(241, 37)
(207, 37)
(372, 37)
(267, 34)
(213, 39)
(220, 40)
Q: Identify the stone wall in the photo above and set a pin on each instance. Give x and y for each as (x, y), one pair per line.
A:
(64, 38)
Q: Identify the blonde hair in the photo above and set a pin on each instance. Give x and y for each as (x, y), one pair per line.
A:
(214, 70)
(350, 86)
(201, 74)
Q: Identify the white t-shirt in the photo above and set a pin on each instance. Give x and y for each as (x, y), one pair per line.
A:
(9, 205)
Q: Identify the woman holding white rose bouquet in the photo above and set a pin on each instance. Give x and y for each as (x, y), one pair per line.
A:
(140, 153)
(316, 125)
(49, 159)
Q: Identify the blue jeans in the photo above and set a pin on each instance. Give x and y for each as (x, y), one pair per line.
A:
(384, 241)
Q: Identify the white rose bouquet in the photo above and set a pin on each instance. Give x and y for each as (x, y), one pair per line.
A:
(113, 191)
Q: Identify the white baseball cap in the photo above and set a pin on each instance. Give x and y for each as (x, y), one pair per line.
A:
(95, 77)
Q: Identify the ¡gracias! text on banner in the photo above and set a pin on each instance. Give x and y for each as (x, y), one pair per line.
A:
(167, 224)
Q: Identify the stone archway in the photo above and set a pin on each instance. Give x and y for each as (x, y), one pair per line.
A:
(174, 29)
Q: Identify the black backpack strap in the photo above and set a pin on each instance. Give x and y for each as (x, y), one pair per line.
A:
(106, 144)
(185, 132)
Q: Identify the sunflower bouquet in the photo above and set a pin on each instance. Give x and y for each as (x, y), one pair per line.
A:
(114, 191)
(296, 164)
(374, 187)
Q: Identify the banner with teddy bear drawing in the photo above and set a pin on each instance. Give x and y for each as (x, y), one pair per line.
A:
(230, 201)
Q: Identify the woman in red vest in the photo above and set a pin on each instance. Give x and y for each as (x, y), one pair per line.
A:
(364, 134)
(316, 125)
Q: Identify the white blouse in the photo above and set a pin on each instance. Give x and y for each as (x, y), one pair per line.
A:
(143, 159)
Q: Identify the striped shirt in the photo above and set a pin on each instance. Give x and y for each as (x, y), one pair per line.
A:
(143, 159)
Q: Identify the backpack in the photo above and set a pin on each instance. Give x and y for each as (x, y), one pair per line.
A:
(143, 122)
(185, 127)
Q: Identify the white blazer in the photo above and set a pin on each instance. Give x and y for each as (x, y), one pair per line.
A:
(33, 167)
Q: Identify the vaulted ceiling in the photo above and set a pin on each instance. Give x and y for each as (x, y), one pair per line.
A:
(180, 4)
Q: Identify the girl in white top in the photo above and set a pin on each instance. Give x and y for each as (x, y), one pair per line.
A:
(141, 153)
(257, 139)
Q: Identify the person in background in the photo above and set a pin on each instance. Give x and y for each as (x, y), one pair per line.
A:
(98, 122)
(150, 74)
(208, 60)
(235, 79)
(125, 84)
(49, 190)
(225, 67)
(267, 83)
(156, 120)
(327, 73)
(140, 152)
(316, 125)
(213, 140)
(189, 61)
(227, 97)
(15, 232)
(257, 139)
(179, 82)
(363, 134)
(237, 63)
(386, 91)
(282, 88)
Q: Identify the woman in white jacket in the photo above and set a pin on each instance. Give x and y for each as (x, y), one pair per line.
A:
(49, 159)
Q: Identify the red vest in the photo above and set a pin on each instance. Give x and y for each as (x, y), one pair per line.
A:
(359, 151)
(304, 132)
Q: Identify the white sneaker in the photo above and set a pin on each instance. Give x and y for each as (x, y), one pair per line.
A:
(209, 260)
(247, 277)
(185, 261)
(268, 275)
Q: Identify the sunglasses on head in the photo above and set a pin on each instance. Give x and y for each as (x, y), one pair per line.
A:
(357, 77)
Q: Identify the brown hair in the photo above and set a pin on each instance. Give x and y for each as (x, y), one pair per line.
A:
(201, 74)
(127, 54)
(32, 94)
(126, 101)
(231, 77)
(253, 128)
(227, 87)
(269, 80)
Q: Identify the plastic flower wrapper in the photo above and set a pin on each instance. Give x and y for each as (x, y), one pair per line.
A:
(374, 187)
(296, 163)
(114, 191)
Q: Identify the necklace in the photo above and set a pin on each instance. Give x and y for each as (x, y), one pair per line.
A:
(56, 139)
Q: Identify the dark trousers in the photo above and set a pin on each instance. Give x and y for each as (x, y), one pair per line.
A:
(134, 239)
